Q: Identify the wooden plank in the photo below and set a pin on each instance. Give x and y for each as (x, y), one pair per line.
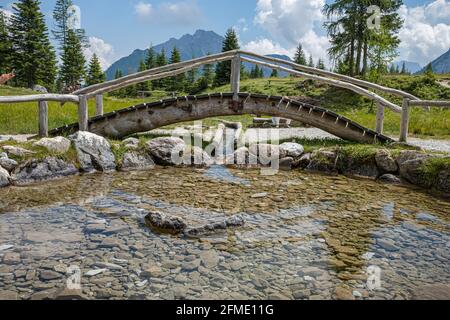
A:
(380, 118)
(441, 104)
(330, 74)
(39, 97)
(404, 125)
(332, 82)
(99, 105)
(235, 77)
(43, 119)
(83, 115)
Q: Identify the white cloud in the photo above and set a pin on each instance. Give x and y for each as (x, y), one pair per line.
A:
(265, 47)
(7, 13)
(289, 19)
(426, 32)
(241, 26)
(104, 51)
(170, 13)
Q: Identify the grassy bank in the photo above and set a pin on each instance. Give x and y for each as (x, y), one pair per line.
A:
(22, 118)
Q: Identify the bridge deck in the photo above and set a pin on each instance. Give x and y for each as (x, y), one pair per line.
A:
(149, 116)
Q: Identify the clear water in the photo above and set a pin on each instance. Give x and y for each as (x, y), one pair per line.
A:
(306, 237)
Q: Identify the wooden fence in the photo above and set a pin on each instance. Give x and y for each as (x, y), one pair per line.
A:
(358, 86)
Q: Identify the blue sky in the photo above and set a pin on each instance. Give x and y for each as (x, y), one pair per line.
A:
(117, 27)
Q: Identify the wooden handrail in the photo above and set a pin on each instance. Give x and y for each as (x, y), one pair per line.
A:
(429, 103)
(345, 78)
(40, 97)
(332, 82)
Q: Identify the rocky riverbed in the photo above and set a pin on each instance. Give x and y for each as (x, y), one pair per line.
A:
(306, 236)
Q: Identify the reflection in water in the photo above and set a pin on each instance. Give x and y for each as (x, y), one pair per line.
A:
(306, 236)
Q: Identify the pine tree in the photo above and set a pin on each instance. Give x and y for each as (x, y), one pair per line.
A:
(300, 57)
(117, 75)
(143, 86)
(311, 62)
(208, 73)
(392, 69)
(404, 71)
(274, 73)
(160, 62)
(320, 64)
(95, 74)
(261, 73)
(176, 83)
(34, 58)
(150, 60)
(429, 69)
(223, 69)
(5, 46)
(73, 67)
(190, 81)
(61, 17)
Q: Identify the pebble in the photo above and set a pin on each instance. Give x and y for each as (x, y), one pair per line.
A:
(92, 273)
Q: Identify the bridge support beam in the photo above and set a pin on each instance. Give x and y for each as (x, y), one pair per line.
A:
(404, 125)
(43, 119)
(380, 118)
(235, 76)
(99, 105)
(83, 115)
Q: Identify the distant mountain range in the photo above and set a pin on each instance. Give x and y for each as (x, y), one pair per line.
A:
(441, 64)
(411, 67)
(197, 45)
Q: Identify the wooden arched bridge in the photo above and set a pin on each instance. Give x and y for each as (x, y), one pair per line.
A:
(153, 115)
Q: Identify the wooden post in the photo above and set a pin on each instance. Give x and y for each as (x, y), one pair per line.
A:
(99, 105)
(404, 125)
(235, 76)
(380, 118)
(43, 119)
(83, 115)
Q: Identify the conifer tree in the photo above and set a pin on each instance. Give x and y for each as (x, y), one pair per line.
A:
(404, 71)
(150, 60)
(208, 73)
(300, 57)
(161, 61)
(61, 16)
(311, 61)
(5, 46)
(73, 68)
(95, 74)
(223, 69)
(320, 64)
(143, 86)
(177, 82)
(274, 73)
(34, 58)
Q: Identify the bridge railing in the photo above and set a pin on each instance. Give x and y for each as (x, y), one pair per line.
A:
(358, 86)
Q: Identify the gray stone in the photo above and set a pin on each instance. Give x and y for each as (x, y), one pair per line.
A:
(167, 150)
(94, 152)
(196, 157)
(134, 160)
(209, 258)
(286, 163)
(8, 295)
(49, 275)
(49, 168)
(386, 162)
(17, 151)
(11, 258)
(323, 160)
(69, 294)
(8, 164)
(389, 178)
(303, 162)
(58, 144)
(131, 143)
(443, 181)
(4, 177)
(39, 88)
(290, 149)
(387, 244)
(164, 223)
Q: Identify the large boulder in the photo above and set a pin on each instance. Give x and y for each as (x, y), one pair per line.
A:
(408, 155)
(4, 177)
(385, 162)
(323, 160)
(167, 151)
(49, 168)
(411, 170)
(94, 152)
(443, 181)
(355, 165)
(290, 149)
(8, 164)
(390, 179)
(58, 144)
(133, 160)
(131, 143)
(39, 88)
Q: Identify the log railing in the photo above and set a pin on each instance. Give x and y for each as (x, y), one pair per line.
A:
(358, 86)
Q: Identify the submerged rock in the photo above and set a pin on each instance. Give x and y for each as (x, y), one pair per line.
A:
(167, 151)
(389, 178)
(134, 160)
(164, 223)
(58, 144)
(94, 152)
(286, 163)
(432, 292)
(49, 168)
(232, 222)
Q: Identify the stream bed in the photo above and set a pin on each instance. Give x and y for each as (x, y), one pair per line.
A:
(307, 236)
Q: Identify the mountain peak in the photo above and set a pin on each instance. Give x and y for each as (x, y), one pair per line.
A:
(441, 64)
